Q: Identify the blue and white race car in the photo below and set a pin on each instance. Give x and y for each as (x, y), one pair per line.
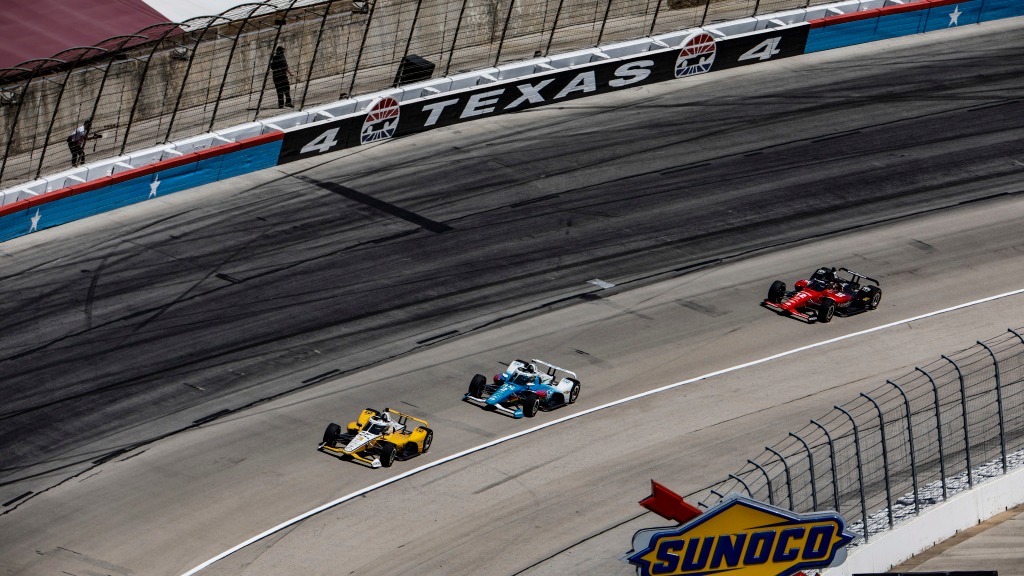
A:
(524, 388)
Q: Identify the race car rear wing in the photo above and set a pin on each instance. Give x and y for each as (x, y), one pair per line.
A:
(858, 276)
(403, 417)
(551, 368)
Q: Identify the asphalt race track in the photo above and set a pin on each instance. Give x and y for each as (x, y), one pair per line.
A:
(167, 370)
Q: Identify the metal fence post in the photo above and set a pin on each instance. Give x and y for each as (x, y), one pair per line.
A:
(455, 37)
(789, 479)
(554, 27)
(227, 68)
(138, 97)
(604, 22)
(1017, 334)
(654, 21)
(938, 429)
(810, 467)
(768, 479)
(860, 471)
(412, 30)
(316, 51)
(504, 30)
(910, 437)
(362, 47)
(999, 404)
(17, 110)
(53, 119)
(184, 77)
(704, 18)
(832, 459)
(742, 483)
(885, 456)
(967, 434)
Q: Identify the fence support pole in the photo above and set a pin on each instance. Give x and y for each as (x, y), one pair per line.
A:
(810, 467)
(768, 479)
(885, 457)
(604, 22)
(184, 77)
(938, 430)
(412, 30)
(316, 50)
(455, 37)
(832, 459)
(910, 437)
(967, 434)
(860, 471)
(227, 70)
(1017, 334)
(504, 30)
(704, 18)
(362, 46)
(138, 97)
(789, 479)
(654, 21)
(554, 27)
(999, 404)
(742, 483)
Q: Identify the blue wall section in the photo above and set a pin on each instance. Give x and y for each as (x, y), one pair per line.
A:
(135, 190)
(898, 24)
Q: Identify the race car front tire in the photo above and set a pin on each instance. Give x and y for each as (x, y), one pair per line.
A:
(776, 292)
(531, 404)
(826, 310)
(388, 451)
(331, 434)
(477, 385)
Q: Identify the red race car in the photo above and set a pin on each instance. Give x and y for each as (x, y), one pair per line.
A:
(826, 293)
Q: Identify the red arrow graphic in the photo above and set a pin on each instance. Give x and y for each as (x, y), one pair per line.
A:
(668, 504)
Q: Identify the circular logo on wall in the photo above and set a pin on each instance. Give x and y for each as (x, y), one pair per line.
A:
(381, 121)
(697, 55)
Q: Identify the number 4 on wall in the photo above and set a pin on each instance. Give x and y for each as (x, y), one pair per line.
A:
(763, 51)
(322, 143)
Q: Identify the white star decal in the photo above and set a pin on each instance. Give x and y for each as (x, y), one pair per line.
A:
(954, 16)
(35, 222)
(154, 185)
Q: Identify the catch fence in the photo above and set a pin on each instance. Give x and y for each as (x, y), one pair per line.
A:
(171, 81)
(912, 442)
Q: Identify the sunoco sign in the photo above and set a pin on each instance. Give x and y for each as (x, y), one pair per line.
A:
(742, 537)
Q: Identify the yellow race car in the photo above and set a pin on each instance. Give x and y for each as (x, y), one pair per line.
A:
(378, 438)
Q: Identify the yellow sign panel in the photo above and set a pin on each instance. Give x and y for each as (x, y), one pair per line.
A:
(742, 537)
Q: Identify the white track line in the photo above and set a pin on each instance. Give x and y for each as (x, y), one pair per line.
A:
(575, 415)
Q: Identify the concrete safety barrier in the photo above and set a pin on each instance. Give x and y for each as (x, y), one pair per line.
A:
(113, 183)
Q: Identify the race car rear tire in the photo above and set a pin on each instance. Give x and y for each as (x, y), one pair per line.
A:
(477, 385)
(826, 310)
(574, 393)
(776, 292)
(388, 451)
(874, 294)
(331, 434)
(530, 403)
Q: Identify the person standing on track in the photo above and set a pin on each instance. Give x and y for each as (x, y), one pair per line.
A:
(280, 72)
(76, 142)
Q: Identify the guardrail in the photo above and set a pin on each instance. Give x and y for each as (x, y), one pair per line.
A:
(914, 441)
(173, 81)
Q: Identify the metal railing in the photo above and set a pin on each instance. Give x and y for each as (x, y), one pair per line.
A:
(172, 81)
(909, 443)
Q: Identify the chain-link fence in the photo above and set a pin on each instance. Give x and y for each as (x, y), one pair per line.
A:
(909, 443)
(171, 81)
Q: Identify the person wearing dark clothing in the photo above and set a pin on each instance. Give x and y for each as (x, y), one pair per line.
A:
(76, 142)
(280, 73)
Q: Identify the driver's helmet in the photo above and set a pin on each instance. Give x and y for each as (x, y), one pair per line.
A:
(826, 274)
(384, 417)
